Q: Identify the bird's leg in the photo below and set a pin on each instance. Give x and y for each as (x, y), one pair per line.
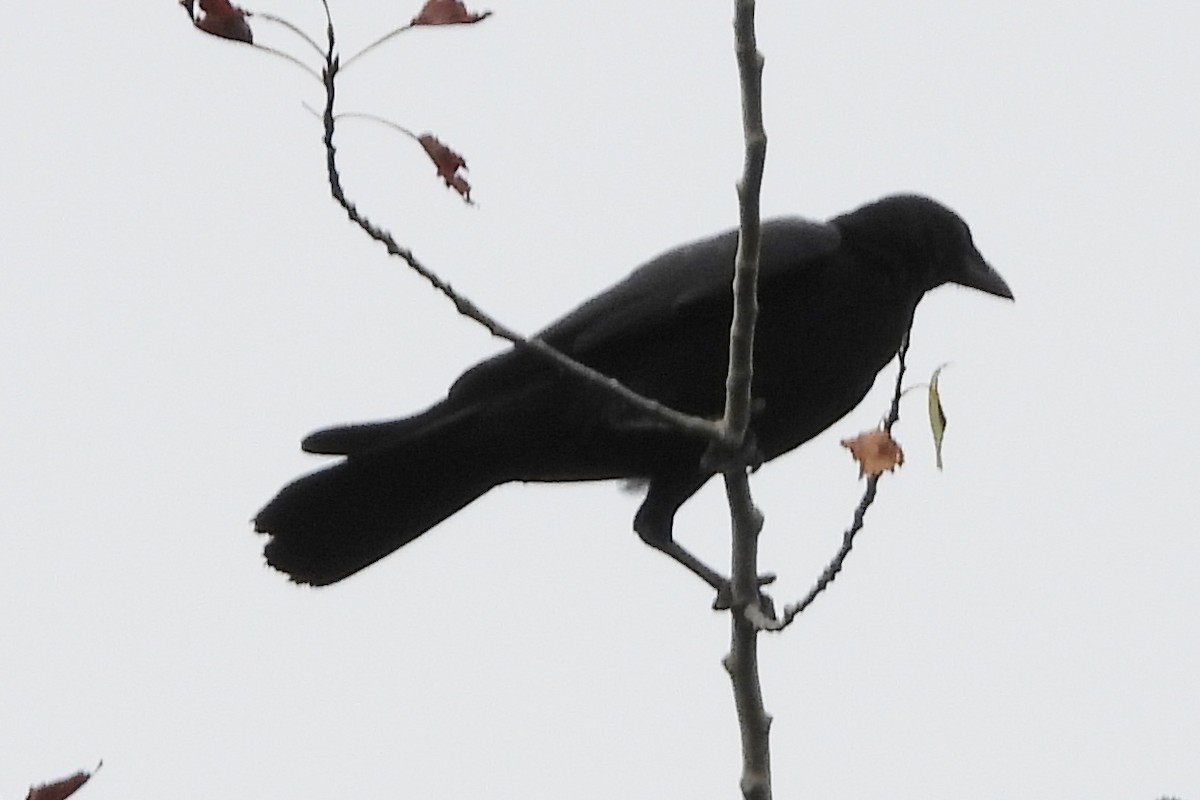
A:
(722, 585)
(694, 565)
(654, 523)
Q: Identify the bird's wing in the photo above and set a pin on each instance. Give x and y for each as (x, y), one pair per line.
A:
(657, 293)
(701, 272)
(650, 299)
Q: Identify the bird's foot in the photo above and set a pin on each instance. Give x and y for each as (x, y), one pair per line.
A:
(720, 457)
(725, 598)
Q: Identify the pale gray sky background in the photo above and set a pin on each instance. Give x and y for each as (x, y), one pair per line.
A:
(181, 302)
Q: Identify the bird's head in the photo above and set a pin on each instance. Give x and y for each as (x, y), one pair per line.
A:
(929, 237)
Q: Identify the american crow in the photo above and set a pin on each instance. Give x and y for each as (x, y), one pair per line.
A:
(835, 300)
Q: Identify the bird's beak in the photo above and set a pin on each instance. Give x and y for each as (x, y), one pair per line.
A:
(978, 274)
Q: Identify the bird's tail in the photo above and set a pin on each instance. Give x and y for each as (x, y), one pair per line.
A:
(398, 480)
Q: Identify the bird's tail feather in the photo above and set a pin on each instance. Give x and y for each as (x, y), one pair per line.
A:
(350, 440)
(334, 522)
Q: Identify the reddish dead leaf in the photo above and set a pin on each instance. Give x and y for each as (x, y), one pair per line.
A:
(875, 452)
(59, 790)
(448, 164)
(447, 12)
(221, 18)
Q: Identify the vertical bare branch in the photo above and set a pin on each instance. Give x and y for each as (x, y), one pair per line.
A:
(742, 661)
(745, 282)
(754, 724)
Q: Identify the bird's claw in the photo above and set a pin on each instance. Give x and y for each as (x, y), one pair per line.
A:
(724, 600)
(720, 457)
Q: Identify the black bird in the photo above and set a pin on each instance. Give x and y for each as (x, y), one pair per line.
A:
(835, 300)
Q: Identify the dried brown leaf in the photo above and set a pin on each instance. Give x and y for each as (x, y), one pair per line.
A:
(59, 790)
(875, 451)
(448, 164)
(447, 12)
(221, 18)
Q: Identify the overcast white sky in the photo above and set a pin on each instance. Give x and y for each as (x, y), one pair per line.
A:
(181, 302)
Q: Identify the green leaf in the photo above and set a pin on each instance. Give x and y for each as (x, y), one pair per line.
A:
(937, 416)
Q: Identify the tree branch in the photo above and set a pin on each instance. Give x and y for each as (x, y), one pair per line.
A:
(686, 423)
(742, 661)
(835, 565)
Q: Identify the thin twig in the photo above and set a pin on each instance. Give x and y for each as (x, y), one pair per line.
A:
(281, 21)
(835, 565)
(741, 663)
(684, 422)
(372, 118)
(287, 57)
(386, 37)
(369, 117)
